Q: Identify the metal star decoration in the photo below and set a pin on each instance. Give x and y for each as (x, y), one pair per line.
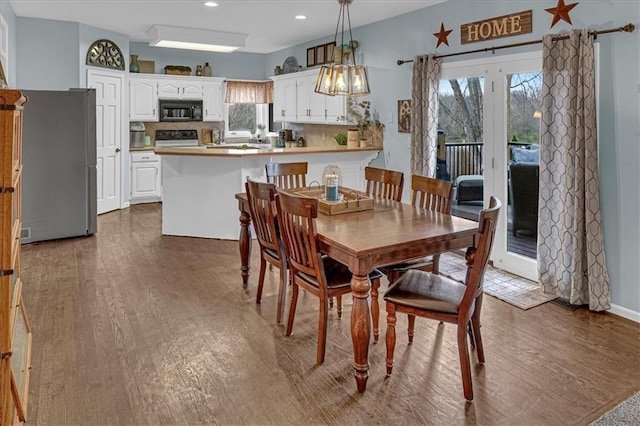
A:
(561, 12)
(443, 34)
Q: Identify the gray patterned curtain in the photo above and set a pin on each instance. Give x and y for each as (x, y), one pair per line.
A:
(424, 115)
(571, 261)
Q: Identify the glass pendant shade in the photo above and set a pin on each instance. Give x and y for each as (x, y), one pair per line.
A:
(341, 78)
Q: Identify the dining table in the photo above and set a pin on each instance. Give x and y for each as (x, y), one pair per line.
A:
(389, 233)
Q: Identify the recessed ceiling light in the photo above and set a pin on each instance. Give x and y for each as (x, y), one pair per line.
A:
(301, 17)
(211, 4)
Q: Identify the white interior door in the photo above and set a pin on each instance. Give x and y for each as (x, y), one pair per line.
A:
(109, 101)
(483, 104)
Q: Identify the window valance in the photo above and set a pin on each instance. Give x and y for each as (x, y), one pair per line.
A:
(249, 92)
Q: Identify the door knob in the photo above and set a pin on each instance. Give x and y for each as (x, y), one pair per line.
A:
(117, 150)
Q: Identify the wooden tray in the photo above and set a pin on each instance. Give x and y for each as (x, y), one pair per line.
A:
(349, 203)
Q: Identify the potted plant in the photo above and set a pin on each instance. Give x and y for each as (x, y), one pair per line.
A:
(261, 127)
(340, 138)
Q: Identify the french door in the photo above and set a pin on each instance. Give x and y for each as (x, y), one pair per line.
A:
(489, 118)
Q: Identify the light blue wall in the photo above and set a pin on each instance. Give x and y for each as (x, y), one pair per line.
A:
(47, 54)
(10, 69)
(249, 66)
(406, 36)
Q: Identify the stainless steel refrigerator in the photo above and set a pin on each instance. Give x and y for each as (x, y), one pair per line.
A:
(59, 164)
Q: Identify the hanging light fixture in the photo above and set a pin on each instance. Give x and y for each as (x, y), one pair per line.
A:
(343, 78)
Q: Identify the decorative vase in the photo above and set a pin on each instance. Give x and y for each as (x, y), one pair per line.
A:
(207, 72)
(134, 66)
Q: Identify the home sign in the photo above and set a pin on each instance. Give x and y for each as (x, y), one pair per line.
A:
(501, 26)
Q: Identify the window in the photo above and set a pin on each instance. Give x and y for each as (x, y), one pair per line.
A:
(242, 119)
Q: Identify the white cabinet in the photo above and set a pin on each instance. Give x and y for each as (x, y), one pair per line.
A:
(295, 101)
(146, 184)
(143, 99)
(179, 89)
(212, 101)
(284, 102)
(310, 106)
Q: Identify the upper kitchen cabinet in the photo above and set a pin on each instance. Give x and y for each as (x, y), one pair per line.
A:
(284, 99)
(295, 100)
(179, 89)
(143, 98)
(212, 101)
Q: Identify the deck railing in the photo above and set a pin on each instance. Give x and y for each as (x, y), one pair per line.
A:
(463, 159)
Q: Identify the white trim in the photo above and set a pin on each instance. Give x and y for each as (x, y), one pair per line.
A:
(625, 313)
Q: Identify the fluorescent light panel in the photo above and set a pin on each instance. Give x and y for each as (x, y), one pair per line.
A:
(195, 39)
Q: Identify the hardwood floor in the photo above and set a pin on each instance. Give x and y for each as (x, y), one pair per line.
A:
(131, 327)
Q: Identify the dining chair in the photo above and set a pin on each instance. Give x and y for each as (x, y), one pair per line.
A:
(318, 274)
(424, 294)
(384, 183)
(426, 193)
(287, 175)
(261, 197)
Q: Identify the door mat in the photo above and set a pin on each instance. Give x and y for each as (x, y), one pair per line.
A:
(510, 288)
(626, 413)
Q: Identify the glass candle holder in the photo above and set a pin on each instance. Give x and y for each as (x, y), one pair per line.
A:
(332, 179)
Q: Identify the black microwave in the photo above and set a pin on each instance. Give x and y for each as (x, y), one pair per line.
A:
(171, 110)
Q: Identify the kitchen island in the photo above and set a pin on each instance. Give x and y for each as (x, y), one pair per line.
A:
(199, 183)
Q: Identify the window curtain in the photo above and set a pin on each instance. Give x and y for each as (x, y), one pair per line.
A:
(249, 92)
(424, 115)
(571, 261)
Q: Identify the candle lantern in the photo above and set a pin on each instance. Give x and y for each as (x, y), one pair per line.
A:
(332, 179)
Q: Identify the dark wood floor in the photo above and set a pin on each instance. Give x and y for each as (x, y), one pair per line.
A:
(131, 327)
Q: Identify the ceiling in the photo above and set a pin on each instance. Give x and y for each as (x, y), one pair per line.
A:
(270, 24)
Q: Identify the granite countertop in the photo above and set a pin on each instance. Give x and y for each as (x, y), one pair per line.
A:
(222, 151)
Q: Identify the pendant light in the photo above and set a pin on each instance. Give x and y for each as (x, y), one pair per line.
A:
(342, 78)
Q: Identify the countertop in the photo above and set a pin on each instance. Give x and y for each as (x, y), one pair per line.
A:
(221, 151)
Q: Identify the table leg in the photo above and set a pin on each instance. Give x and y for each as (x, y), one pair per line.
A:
(245, 247)
(360, 329)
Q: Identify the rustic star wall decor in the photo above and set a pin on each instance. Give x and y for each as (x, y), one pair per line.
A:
(443, 34)
(561, 12)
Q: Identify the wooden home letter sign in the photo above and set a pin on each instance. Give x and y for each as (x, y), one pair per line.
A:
(502, 26)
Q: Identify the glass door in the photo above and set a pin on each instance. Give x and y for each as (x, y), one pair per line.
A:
(489, 120)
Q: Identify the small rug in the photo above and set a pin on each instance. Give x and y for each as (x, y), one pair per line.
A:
(625, 413)
(510, 288)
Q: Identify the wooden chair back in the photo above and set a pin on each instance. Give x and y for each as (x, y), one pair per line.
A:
(384, 183)
(475, 274)
(261, 197)
(296, 218)
(287, 175)
(431, 194)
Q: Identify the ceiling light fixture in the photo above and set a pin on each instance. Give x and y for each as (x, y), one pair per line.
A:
(195, 39)
(301, 17)
(342, 78)
(211, 4)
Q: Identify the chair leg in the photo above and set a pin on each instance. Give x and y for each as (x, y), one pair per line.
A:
(263, 268)
(331, 302)
(436, 264)
(375, 309)
(412, 326)
(472, 339)
(282, 293)
(391, 335)
(339, 303)
(475, 323)
(292, 310)
(322, 330)
(465, 366)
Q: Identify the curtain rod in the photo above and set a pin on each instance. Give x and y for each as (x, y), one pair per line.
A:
(629, 28)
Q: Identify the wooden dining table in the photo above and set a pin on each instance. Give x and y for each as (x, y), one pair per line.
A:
(389, 233)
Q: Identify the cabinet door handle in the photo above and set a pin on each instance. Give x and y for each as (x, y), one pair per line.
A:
(154, 111)
(117, 150)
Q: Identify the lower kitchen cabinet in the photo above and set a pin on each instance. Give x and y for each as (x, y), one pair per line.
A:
(146, 178)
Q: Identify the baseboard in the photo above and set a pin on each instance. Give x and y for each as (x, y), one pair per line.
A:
(126, 205)
(625, 313)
